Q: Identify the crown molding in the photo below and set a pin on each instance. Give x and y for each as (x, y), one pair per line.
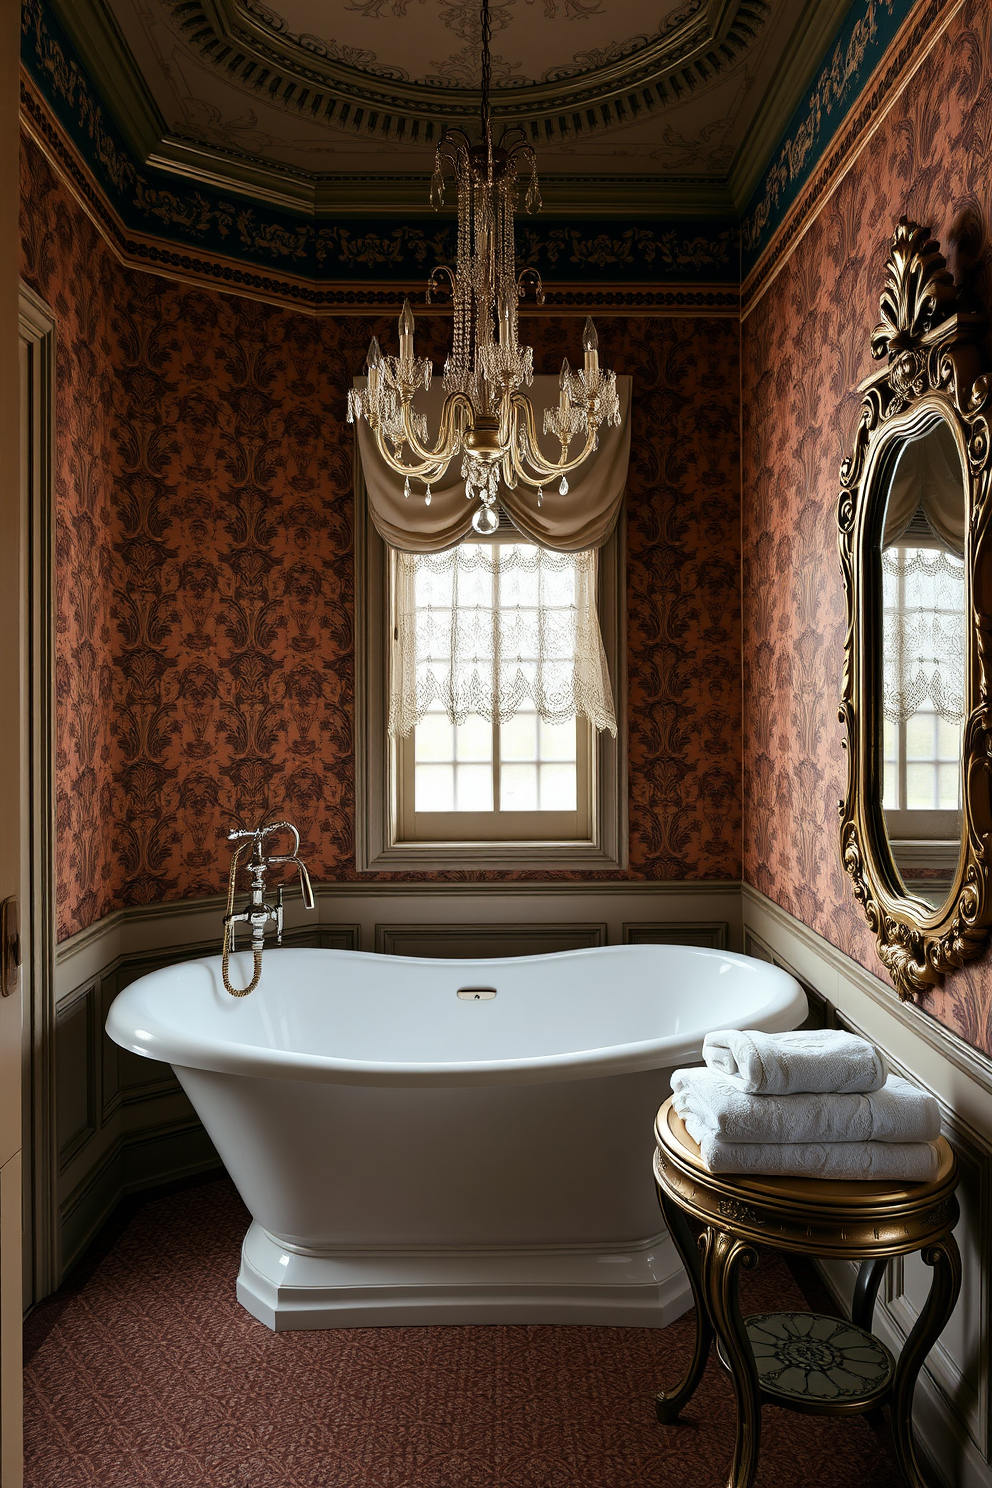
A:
(378, 194)
(113, 72)
(807, 47)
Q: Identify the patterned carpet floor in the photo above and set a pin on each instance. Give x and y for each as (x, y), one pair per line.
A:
(144, 1372)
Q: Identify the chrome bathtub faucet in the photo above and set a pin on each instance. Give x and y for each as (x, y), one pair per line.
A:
(260, 912)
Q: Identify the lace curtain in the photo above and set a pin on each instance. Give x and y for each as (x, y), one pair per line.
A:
(488, 627)
(923, 648)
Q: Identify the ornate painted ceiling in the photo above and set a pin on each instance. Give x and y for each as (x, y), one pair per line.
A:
(643, 106)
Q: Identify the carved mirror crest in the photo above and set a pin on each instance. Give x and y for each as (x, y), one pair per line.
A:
(913, 521)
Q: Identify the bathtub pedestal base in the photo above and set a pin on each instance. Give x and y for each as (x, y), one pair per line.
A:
(642, 1285)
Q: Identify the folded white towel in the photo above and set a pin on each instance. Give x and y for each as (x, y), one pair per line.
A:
(902, 1162)
(718, 1104)
(819, 1060)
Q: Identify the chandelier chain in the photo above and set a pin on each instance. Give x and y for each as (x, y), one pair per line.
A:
(487, 76)
(486, 417)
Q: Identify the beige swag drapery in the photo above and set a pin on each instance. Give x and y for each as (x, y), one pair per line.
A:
(567, 524)
(484, 629)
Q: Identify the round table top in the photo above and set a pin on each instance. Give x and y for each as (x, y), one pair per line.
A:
(821, 1216)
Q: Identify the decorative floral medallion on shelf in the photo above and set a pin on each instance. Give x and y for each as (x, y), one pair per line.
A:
(816, 1357)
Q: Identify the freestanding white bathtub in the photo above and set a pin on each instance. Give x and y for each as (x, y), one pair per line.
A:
(413, 1150)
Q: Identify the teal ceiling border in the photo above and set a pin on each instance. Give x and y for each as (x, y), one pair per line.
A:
(197, 219)
(865, 35)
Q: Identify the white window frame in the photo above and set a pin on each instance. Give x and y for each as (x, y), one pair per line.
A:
(379, 842)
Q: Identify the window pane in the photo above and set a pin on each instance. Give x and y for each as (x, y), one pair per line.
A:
(433, 739)
(434, 788)
(473, 788)
(557, 740)
(518, 738)
(890, 756)
(518, 788)
(948, 740)
(474, 740)
(920, 737)
(557, 787)
(949, 781)
(920, 788)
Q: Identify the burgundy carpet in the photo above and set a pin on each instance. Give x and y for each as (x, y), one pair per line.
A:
(148, 1374)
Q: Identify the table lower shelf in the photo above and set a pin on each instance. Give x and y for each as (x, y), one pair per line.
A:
(811, 1362)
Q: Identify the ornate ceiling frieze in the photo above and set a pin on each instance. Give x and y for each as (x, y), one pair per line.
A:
(352, 89)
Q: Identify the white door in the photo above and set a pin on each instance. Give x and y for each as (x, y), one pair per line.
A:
(11, 589)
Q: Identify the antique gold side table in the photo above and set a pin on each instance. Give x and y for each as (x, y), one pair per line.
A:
(802, 1360)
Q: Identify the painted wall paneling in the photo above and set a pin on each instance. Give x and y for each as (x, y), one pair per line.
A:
(468, 940)
(713, 935)
(953, 1399)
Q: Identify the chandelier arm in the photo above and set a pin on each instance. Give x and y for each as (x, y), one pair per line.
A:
(533, 453)
(426, 470)
(449, 435)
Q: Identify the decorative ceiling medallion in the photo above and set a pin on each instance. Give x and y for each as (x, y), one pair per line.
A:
(350, 89)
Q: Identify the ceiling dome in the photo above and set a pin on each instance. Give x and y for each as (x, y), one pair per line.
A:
(401, 68)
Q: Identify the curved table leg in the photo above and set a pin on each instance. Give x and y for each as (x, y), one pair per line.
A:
(869, 1280)
(723, 1255)
(668, 1403)
(945, 1260)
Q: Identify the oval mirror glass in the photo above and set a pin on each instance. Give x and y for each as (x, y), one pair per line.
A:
(923, 662)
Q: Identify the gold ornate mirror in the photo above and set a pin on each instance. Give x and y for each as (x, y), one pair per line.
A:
(913, 522)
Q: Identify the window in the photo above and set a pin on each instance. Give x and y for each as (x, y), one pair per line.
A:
(923, 596)
(923, 588)
(511, 789)
(513, 775)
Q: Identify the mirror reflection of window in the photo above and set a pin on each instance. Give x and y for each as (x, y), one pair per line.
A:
(923, 657)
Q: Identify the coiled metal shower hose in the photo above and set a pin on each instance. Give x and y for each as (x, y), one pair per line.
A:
(226, 958)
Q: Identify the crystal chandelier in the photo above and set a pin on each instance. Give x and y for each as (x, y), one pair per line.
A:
(485, 419)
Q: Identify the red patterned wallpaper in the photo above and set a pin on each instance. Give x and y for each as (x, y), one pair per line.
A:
(205, 583)
(804, 349)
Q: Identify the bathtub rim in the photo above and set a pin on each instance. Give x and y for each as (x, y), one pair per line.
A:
(783, 1009)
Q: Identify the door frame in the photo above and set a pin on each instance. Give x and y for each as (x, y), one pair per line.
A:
(39, 1140)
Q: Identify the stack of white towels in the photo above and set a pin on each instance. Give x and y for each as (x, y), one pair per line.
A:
(814, 1104)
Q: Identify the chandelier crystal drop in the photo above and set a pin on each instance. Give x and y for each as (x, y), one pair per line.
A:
(486, 418)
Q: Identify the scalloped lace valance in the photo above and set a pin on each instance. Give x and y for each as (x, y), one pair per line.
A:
(489, 628)
(584, 518)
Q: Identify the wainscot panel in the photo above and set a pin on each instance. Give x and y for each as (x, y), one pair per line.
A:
(713, 936)
(124, 1123)
(468, 940)
(952, 1400)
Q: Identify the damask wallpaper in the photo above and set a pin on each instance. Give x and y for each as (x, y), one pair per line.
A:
(804, 349)
(205, 659)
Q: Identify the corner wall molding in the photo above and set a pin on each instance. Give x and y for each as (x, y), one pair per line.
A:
(900, 61)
